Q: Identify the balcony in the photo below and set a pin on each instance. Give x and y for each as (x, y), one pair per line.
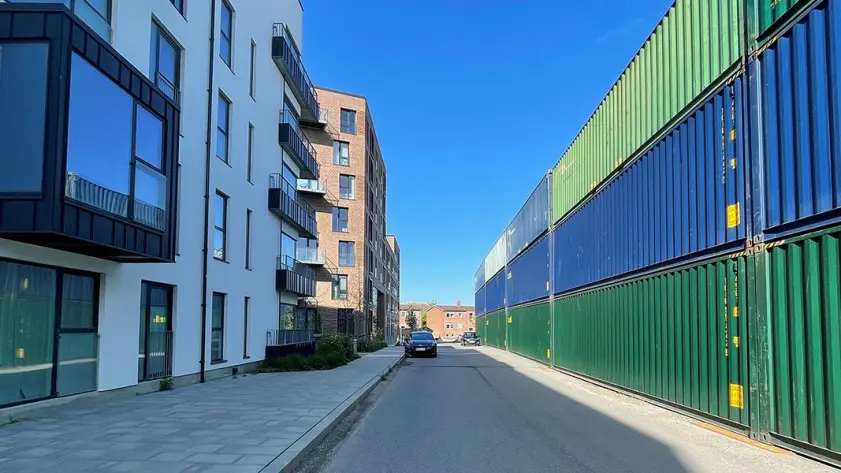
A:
(286, 203)
(293, 141)
(311, 256)
(288, 59)
(311, 186)
(294, 276)
(68, 182)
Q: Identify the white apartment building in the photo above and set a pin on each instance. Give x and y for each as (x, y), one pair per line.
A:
(148, 191)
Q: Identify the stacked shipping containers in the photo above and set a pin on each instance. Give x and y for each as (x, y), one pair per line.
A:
(693, 252)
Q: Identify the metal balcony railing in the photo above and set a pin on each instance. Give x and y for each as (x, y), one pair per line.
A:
(296, 143)
(297, 74)
(288, 263)
(276, 338)
(168, 88)
(312, 186)
(78, 188)
(276, 181)
(310, 256)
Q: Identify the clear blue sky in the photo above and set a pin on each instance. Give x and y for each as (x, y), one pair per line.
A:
(473, 100)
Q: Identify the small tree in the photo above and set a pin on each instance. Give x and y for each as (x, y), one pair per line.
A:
(412, 320)
(423, 319)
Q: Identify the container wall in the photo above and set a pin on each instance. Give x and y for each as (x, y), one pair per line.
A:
(804, 333)
(495, 293)
(531, 221)
(479, 277)
(680, 336)
(497, 257)
(689, 50)
(684, 196)
(493, 325)
(768, 15)
(528, 331)
(481, 306)
(796, 80)
(527, 276)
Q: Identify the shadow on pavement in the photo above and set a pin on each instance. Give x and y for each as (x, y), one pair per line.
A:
(466, 411)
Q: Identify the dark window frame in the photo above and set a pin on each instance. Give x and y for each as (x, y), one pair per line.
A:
(351, 186)
(227, 35)
(220, 329)
(179, 5)
(347, 121)
(160, 33)
(337, 219)
(224, 228)
(248, 220)
(337, 152)
(350, 252)
(249, 172)
(246, 314)
(336, 292)
(226, 130)
(252, 84)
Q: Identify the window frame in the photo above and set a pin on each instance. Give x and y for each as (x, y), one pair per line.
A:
(220, 329)
(351, 245)
(227, 130)
(179, 7)
(351, 124)
(229, 35)
(337, 152)
(252, 84)
(248, 220)
(224, 228)
(335, 292)
(249, 172)
(351, 181)
(246, 313)
(160, 33)
(336, 219)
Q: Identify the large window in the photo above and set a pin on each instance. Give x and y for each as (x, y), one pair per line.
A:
(347, 186)
(287, 246)
(23, 95)
(223, 123)
(226, 40)
(348, 121)
(248, 214)
(340, 288)
(114, 149)
(341, 153)
(220, 226)
(179, 5)
(32, 319)
(347, 254)
(340, 219)
(165, 64)
(217, 328)
(246, 313)
(345, 321)
(290, 177)
(249, 170)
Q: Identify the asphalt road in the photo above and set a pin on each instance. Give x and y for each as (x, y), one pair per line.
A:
(490, 411)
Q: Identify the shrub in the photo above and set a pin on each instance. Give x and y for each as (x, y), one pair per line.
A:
(319, 361)
(335, 344)
(287, 363)
(372, 345)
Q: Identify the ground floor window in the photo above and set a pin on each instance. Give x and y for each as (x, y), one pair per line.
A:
(154, 359)
(217, 330)
(48, 332)
(345, 321)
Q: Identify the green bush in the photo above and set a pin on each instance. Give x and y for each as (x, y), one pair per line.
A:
(335, 344)
(372, 345)
(319, 361)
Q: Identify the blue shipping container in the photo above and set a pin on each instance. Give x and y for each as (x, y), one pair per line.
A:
(796, 103)
(480, 302)
(479, 277)
(495, 292)
(531, 221)
(683, 196)
(528, 275)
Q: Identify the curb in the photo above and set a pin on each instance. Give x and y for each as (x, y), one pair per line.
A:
(295, 453)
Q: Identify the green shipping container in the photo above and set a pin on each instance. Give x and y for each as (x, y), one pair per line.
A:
(493, 329)
(679, 336)
(528, 331)
(767, 14)
(689, 51)
(803, 331)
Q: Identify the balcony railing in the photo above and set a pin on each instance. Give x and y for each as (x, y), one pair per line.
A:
(294, 276)
(289, 263)
(296, 144)
(311, 186)
(310, 256)
(287, 57)
(285, 201)
(277, 338)
(82, 190)
(156, 363)
(168, 88)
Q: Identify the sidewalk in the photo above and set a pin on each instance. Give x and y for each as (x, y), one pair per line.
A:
(255, 423)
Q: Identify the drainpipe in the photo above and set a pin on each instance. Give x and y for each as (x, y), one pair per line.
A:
(207, 160)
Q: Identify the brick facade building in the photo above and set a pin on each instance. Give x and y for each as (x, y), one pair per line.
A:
(446, 321)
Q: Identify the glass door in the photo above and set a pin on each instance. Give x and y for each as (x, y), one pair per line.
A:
(155, 353)
(78, 342)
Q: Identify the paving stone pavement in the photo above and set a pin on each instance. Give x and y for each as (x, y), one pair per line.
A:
(228, 425)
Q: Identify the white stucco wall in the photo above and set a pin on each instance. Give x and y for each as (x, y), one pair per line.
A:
(121, 283)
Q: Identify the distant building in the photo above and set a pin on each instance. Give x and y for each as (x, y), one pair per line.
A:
(446, 321)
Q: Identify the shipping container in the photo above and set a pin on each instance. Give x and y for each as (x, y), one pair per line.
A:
(684, 196)
(497, 257)
(495, 292)
(804, 339)
(529, 331)
(528, 276)
(479, 277)
(680, 336)
(796, 103)
(768, 16)
(531, 221)
(481, 306)
(689, 52)
(494, 328)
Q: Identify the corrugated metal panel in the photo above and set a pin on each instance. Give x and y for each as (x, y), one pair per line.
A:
(685, 195)
(497, 257)
(493, 325)
(694, 44)
(680, 336)
(479, 277)
(528, 331)
(481, 306)
(531, 221)
(798, 112)
(495, 293)
(769, 13)
(527, 277)
(805, 340)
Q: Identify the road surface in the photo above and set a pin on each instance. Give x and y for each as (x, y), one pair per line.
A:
(490, 411)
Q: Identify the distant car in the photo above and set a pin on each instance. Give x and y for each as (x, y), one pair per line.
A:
(421, 343)
(471, 338)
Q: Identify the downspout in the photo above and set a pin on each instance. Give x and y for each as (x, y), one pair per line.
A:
(205, 247)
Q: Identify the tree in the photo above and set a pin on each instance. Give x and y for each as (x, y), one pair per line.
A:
(423, 319)
(412, 320)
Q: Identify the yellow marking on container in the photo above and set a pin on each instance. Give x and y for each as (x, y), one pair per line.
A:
(20, 353)
(486, 322)
(736, 312)
(736, 341)
(741, 438)
(737, 396)
(733, 163)
(510, 319)
(547, 285)
(509, 275)
(734, 215)
(732, 134)
(548, 353)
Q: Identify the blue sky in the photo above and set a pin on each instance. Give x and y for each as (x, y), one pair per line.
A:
(473, 100)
